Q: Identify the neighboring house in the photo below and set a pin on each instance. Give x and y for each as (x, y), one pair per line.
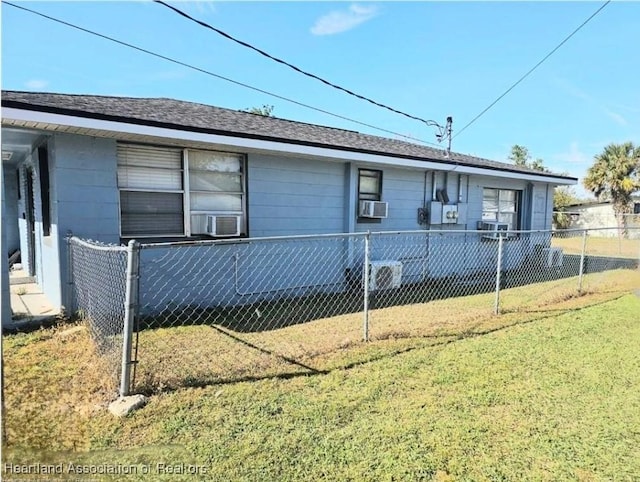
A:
(592, 215)
(114, 168)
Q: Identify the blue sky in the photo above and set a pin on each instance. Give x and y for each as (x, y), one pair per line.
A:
(429, 59)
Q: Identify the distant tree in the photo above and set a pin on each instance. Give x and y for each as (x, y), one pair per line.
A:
(562, 197)
(265, 110)
(520, 157)
(615, 176)
(538, 165)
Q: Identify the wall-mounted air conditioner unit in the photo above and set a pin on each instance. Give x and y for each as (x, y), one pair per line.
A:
(373, 209)
(216, 224)
(494, 230)
(553, 257)
(223, 224)
(385, 275)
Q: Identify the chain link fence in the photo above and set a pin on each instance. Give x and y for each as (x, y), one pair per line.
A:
(216, 311)
(97, 278)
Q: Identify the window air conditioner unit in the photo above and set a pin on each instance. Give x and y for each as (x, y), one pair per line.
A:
(494, 230)
(373, 209)
(385, 275)
(554, 257)
(223, 224)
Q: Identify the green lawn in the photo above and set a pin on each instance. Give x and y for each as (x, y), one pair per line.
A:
(197, 355)
(556, 398)
(599, 246)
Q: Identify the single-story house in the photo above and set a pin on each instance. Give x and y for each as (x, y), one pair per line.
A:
(597, 214)
(115, 168)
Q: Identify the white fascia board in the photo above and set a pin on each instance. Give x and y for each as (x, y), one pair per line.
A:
(328, 153)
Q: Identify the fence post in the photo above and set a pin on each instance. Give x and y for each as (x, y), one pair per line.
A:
(496, 308)
(582, 253)
(366, 287)
(130, 310)
(70, 308)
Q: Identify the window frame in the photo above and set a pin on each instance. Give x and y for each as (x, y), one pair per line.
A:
(517, 212)
(185, 192)
(377, 196)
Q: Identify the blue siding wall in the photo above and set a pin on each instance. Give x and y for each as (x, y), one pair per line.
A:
(286, 196)
(225, 275)
(404, 191)
(542, 206)
(289, 196)
(87, 202)
(438, 256)
(86, 175)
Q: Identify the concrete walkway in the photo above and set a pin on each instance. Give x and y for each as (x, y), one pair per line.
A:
(28, 304)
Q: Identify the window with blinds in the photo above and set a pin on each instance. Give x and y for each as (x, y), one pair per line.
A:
(153, 181)
(151, 191)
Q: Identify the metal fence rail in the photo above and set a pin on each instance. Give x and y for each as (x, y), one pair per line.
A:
(210, 311)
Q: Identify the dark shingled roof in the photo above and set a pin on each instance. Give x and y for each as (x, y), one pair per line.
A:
(191, 116)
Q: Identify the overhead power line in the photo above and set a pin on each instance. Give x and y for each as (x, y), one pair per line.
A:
(533, 68)
(212, 74)
(429, 123)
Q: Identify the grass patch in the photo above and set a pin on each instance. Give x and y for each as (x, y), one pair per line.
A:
(553, 399)
(599, 246)
(170, 358)
(54, 381)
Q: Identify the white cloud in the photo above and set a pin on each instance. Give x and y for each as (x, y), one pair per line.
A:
(621, 121)
(573, 156)
(342, 20)
(204, 7)
(36, 84)
(578, 93)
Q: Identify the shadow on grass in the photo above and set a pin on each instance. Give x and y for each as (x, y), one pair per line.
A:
(415, 343)
(273, 314)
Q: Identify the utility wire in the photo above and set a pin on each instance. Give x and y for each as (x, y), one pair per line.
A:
(429, 123)
(207, 72)
(533, 68)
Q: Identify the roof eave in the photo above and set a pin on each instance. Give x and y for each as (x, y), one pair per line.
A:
(64, 117)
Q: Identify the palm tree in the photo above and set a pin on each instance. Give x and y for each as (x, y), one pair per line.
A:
(615, 176)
